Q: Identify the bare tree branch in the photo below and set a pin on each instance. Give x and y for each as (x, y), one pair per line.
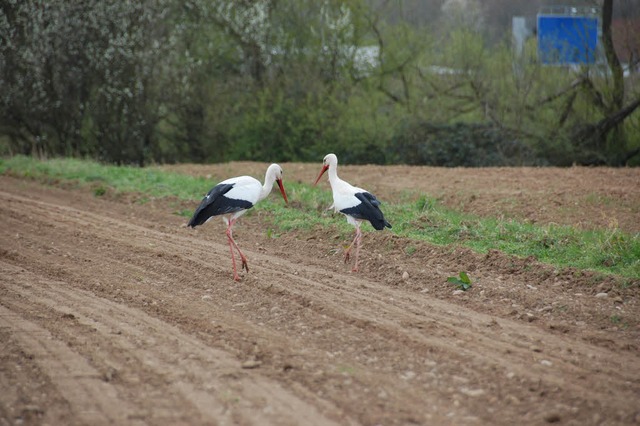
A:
(604, 126)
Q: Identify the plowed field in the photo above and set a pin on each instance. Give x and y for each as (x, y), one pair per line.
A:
(113, 312)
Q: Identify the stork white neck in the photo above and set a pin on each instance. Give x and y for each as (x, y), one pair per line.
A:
(332, 161)
(273, 172)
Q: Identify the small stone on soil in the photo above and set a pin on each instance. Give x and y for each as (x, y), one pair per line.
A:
(472, 392)
(252, 363)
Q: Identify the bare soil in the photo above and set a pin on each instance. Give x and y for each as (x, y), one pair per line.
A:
(113, 312)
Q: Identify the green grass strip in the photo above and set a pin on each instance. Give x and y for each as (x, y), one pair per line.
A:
(610, 251)
(149, 181)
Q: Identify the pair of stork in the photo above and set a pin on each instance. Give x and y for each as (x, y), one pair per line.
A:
(232, 198)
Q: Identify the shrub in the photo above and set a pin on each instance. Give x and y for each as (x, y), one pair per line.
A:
(459, 144)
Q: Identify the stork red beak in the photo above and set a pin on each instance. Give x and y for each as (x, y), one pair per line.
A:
(324, 169)
(284, 194)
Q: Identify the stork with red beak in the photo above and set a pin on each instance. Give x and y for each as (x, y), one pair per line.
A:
(355, 203)
(231, 199)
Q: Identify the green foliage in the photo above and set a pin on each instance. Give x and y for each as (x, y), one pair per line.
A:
(99, 191)
(460, 144)
(88, 80)
(277, 128)
(161, 81)
(463, 282)
(616, 319)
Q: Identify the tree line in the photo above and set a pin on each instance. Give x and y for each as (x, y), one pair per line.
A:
(289, 80)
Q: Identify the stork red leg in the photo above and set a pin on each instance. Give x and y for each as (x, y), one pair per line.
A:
(245, 265)
(236, 277)
(358, 239)
(232, 245)
(347, 253)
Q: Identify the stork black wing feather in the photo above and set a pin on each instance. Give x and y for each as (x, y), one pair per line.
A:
(215, 204)
(368, 209)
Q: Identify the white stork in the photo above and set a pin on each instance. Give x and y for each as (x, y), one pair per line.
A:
(231, 199)
(353, 202)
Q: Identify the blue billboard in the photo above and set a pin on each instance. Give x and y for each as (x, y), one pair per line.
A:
(566, 40)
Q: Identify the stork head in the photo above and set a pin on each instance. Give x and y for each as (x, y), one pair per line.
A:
(329, 161)
(274, 173)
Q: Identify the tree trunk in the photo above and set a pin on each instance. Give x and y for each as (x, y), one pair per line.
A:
(612, 58)
(616, 141)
